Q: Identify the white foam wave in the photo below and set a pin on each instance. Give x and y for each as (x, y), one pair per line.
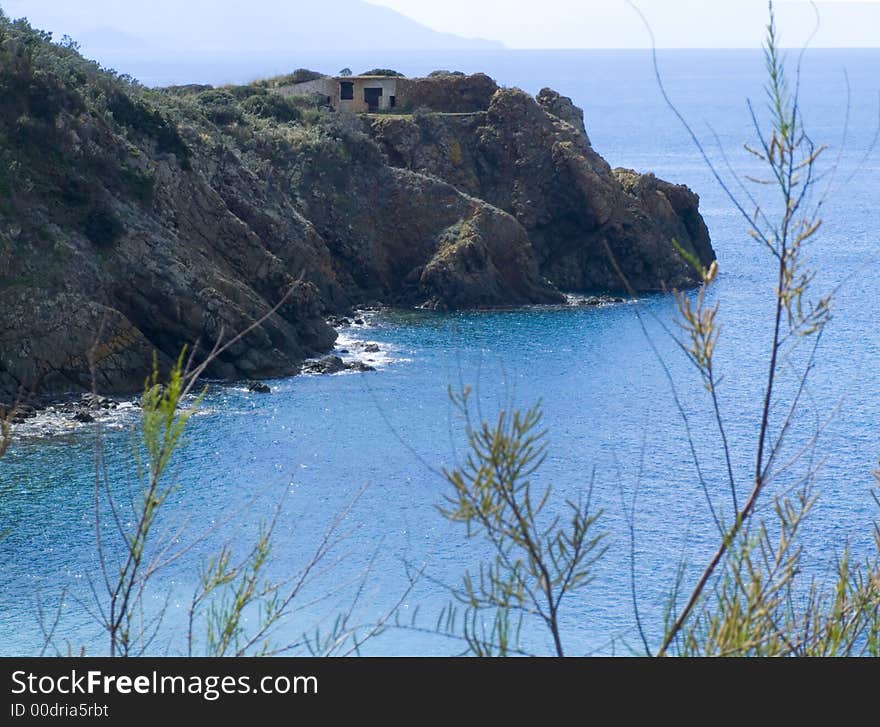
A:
(58, 421)
(353, 345)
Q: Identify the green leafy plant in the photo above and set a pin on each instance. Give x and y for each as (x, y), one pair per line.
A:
(272, 106)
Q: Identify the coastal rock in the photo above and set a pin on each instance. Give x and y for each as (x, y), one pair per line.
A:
(453, 93)
(334, 365)
(138, 222)
(324, 365)
(591, 228)
(258, 387)
(410, 217)
(20, 414)
(96, 401)
(482, 262)
(562, 107)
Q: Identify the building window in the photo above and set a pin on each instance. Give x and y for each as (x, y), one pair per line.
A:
(346, 91)
(392, 101)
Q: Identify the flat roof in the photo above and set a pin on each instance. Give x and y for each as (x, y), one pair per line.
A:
(364, 78)
(350, 78)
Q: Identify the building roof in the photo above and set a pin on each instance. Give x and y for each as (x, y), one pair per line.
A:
(363, 78)
(343, 79)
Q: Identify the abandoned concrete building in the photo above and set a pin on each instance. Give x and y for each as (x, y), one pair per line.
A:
(359, 94)
(374, 94)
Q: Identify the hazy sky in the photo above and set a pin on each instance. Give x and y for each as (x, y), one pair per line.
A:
(342, 24)
(676, 23)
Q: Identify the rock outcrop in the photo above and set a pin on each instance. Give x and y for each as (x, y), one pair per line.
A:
(591, 227)
(562, 107)
(450, 93)
(135, 222)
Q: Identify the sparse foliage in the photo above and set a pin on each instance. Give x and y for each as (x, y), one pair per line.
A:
(236, 606)
(120, 598)
(749, 598)
(543, 550)
(752, 597)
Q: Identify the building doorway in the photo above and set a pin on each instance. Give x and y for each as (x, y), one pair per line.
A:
(372, 98)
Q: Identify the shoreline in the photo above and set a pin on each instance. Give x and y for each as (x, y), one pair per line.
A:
(48, 417)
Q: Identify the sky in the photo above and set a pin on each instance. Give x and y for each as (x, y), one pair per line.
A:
(184, 27)
(540, 24)
(676, 23)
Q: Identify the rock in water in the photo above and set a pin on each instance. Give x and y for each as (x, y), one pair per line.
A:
(590, 302)
(324, 365)
(259, 387)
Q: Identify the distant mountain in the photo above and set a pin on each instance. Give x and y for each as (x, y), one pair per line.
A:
(267, 26)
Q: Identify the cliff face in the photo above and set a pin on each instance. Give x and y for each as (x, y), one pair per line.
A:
(134, 221)
(533, 159)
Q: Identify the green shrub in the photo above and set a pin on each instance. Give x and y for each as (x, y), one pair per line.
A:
(312, 116)
(75, 191)
(221, 107)
(243, 92)
(300, 75)
(146, 121)
(46, 98)
(141, 186)
(272, 106)
(383, 72)
(189, 89)
(8, 172)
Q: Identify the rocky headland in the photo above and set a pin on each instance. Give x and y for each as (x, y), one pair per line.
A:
(137, 221)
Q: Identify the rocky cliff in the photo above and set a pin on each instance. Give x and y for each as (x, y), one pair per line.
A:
(136, 221)
(533, 159)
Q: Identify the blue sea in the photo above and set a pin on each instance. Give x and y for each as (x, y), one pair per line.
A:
(377, 442)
